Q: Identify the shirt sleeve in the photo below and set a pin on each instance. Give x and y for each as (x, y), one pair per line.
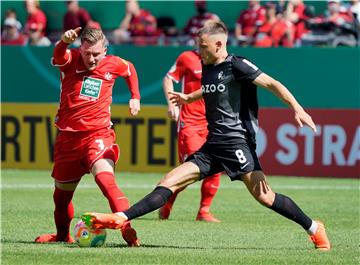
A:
(127, 70)
(245, 70)
(62, 55)
(177, 71)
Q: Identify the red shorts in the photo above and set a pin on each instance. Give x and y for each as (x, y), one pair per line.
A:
(189, 141)
(76, 152)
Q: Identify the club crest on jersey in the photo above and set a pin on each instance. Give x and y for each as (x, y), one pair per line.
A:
(108, 76)
(211, 88)
(221, 75)
(90, 88)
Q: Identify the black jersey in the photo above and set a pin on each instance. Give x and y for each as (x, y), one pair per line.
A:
(231, 98)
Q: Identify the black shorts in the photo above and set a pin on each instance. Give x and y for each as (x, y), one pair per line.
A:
(235, 156)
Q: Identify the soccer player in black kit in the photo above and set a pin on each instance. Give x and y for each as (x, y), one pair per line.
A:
(229, 86)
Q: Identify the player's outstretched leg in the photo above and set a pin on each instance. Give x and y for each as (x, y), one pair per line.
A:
(118, 203)
(209, 188)
(63, 214)
(154, 200)
(164, 211)
(256, 183)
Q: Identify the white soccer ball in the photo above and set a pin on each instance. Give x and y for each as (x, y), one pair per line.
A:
(88, 237)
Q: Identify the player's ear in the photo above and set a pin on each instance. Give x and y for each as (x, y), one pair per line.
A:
(219, 45)
(105, 50)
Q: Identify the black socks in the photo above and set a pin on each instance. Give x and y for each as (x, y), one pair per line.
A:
(288, 208)
(154, 200)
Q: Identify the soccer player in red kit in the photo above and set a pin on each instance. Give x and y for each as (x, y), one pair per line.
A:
(192, 128)
(86, 142)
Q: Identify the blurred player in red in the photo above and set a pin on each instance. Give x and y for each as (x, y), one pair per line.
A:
(192, 128)
(86, 142)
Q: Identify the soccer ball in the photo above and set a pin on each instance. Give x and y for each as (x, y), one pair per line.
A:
(88, 237)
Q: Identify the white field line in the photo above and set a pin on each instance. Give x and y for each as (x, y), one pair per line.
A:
(195, 186)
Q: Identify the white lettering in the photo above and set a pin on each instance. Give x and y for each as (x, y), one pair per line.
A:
(221, 88)
(289, 157)
(354, 154)
(211, 88)
(334, 140)
(309, 143)
(261, 142)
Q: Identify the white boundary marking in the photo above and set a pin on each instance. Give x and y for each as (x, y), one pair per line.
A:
(195, 186)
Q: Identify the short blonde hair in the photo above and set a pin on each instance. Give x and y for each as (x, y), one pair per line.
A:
(213, 27)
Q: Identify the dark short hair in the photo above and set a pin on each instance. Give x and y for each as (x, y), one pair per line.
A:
(212, 28)
(92, 35)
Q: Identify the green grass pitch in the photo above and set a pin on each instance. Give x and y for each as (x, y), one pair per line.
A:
(248, 233)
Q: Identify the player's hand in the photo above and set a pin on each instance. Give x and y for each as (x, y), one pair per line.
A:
(70, 35)
(134, 106)
(178, 99)
(301, 117)
(173, 112)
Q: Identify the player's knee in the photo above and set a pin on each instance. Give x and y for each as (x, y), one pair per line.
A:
(169, 182)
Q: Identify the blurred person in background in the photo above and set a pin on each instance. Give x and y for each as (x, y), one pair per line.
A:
(198, 21)
(248, 21)
(35, 37)
(276, 30)
(35, 15)
(86, 140)
(335, 28)
(192, 128)
(138, 25)
(11, 33)
(10, 13)
(296, 12)
(77, 17)
(354, 8)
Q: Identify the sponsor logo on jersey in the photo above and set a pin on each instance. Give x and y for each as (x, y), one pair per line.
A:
(108, 76)
(197, 71)
(90, 87)
(211, 88)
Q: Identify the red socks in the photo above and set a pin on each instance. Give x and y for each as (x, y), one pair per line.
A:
(64, 212)
(209, 187)
(117, 199)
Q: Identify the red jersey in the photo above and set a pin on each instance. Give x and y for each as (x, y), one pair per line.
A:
(20, 40)
(38, 17)
(79, 19)
(187, 68)
(197, 22)
(144, 24)
(251, 18)
(86, 96)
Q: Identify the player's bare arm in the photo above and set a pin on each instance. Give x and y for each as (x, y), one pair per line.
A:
(168, 86)
(70, 35)
(178, 98)
(301, 116)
